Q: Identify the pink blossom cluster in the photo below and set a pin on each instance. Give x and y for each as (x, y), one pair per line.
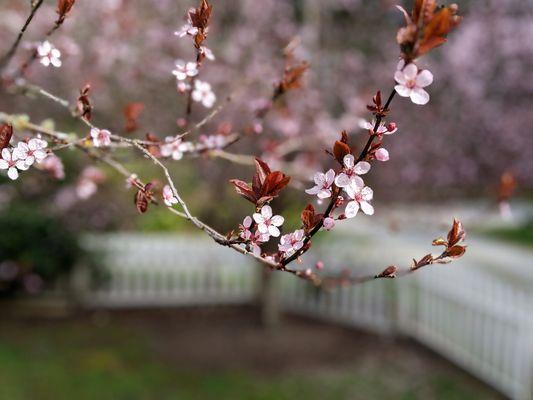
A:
(23, 156)
(187, 71)
(259, 228)
(349, 180)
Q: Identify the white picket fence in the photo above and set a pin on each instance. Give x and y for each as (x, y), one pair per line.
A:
(163, 270)
(472, 317)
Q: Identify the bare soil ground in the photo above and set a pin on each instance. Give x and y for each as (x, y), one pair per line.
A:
(227, 338)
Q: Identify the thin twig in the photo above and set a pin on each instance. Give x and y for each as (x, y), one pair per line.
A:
(13, 49)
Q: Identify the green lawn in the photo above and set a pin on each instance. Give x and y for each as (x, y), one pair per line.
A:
(80, 360)
(522, 235)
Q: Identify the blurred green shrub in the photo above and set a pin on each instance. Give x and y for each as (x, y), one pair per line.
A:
(35, 250)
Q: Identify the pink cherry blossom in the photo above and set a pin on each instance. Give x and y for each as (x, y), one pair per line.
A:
(49, 55)
(382, 154)
(12, 163)
(85, 189)
(254, 239)
(174, 147)
(168, 196)
(184, 70)
(183, 87)
(411, 83)
(291, 242)
(392, 127)
(246, 233)
(101, 137)
(202, 93)
(323, 184)
(213, 141)
(31, 151)
(329, 223)
(351, 172)
(88, 182)
(185, 30)
(188, 28)
(383, 129)
(360, 195)
(268, 223)
(257, 240)
(206, 51)
(53, 165)
(369, 126)
(131, 181)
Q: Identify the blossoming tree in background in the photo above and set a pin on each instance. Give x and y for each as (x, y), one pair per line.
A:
(341, 190)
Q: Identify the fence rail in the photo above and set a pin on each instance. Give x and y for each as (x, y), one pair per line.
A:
(474, 318)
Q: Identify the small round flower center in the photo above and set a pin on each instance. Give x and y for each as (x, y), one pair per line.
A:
(410, 83)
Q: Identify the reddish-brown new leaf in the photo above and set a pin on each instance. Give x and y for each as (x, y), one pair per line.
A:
(244, 190)
(456, 234)
(262, 169)
(455, 251)
(439, 24)
(340, 149)
(310, 218)
(141, 201)
(426, 260)
(265, 184)
(63, 8)
(201, 15)
(83, 104)
(6, 132)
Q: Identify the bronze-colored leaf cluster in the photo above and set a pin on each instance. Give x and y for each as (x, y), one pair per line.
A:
(452, 248)
(266, 184)
(456, 235)
(292, 78)
(426, 27)
(6, 132)
(200, 17)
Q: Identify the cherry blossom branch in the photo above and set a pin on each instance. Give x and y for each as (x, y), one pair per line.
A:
(452, 250)
(331, 205)
(13, 49)
(63, 138)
